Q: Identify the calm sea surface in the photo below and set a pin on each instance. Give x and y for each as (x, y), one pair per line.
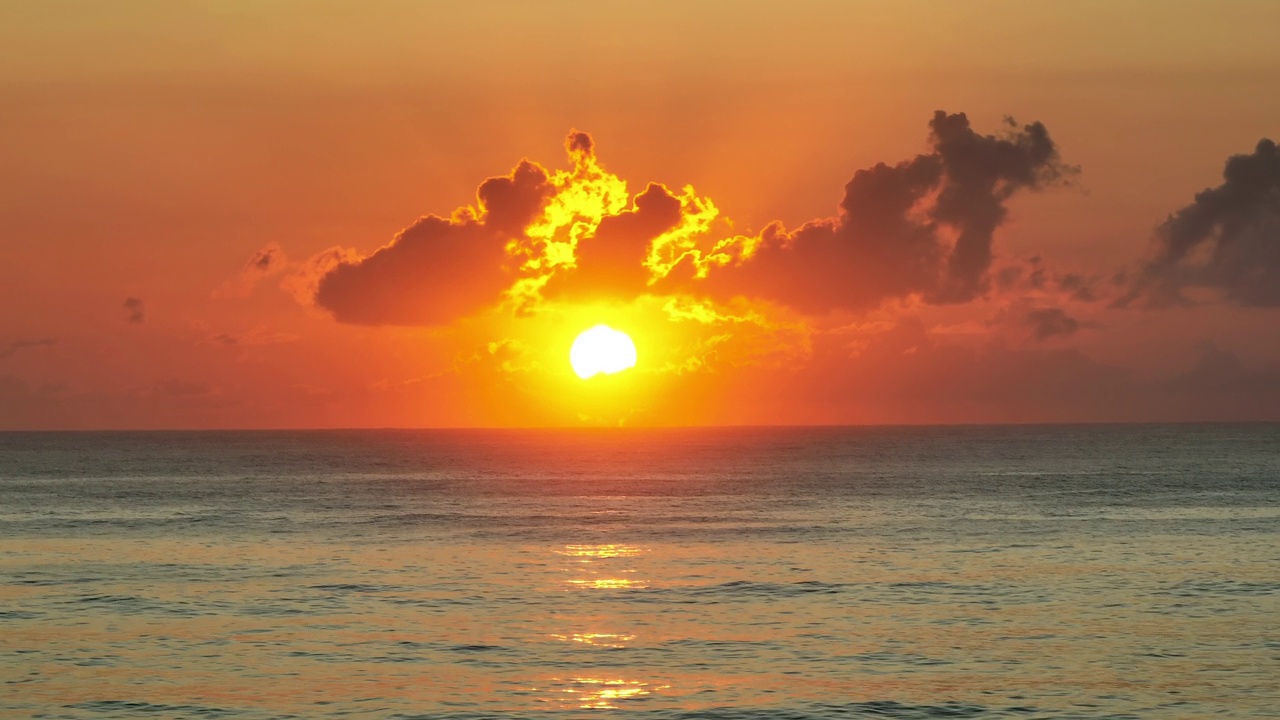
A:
(1032, 572)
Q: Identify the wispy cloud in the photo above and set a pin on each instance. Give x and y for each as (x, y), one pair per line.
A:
(17, 345)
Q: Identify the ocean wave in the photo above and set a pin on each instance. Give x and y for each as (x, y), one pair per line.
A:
(137, 707)
(1193, 588)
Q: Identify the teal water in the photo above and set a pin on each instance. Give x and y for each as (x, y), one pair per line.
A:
(1029, 572)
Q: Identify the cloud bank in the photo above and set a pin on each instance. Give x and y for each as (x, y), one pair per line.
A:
(923, 227)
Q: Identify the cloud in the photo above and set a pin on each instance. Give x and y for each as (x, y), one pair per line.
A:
(923, 227)
(1031, 277)
(303, 280)
(1079, 287)
(16, 345)
(270, 260)
(1227, 240)
(135, 310)
(253, 337)
(1046, 323)
(610, 263)
(437, 269)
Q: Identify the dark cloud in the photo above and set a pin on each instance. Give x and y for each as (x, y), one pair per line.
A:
(510, 202)
(981, 173)
(1008, 277)
(16, 345)
(610, 263)
(438, 269)
(579, 142)
(270, 260)
(1227, 239)
(924, 226)
(1027, 274)
(1032, 275)
(266, 259)
(135, 310)
(1079, 287)
(1046, 323)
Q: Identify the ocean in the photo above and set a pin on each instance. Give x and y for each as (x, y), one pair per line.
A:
(1123, 571)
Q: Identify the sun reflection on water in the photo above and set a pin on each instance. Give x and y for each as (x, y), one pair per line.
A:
(608, 583)
(608, 640)
(602, 693)
(608, 550)
(587, 557)
(603, 566)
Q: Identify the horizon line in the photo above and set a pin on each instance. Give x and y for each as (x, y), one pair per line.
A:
(562, 428)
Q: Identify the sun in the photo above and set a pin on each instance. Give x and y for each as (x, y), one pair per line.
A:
(602, 349)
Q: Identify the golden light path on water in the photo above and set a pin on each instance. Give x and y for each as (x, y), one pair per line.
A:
(599, 693)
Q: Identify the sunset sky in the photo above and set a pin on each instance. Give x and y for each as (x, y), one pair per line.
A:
(333, 214)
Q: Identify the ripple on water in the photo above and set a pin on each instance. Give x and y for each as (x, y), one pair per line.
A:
(19, 615)
(1194, 588)
(137, 605)
(359, 588)
(125, 708)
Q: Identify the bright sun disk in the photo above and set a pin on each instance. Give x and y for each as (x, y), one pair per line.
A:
(602, 349)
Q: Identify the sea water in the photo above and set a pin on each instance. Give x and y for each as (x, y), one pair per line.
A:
(1025, 572)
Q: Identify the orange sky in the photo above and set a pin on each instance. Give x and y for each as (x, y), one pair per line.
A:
(200, 204)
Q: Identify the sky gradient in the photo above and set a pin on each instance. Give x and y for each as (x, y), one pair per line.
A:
(280, 214)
